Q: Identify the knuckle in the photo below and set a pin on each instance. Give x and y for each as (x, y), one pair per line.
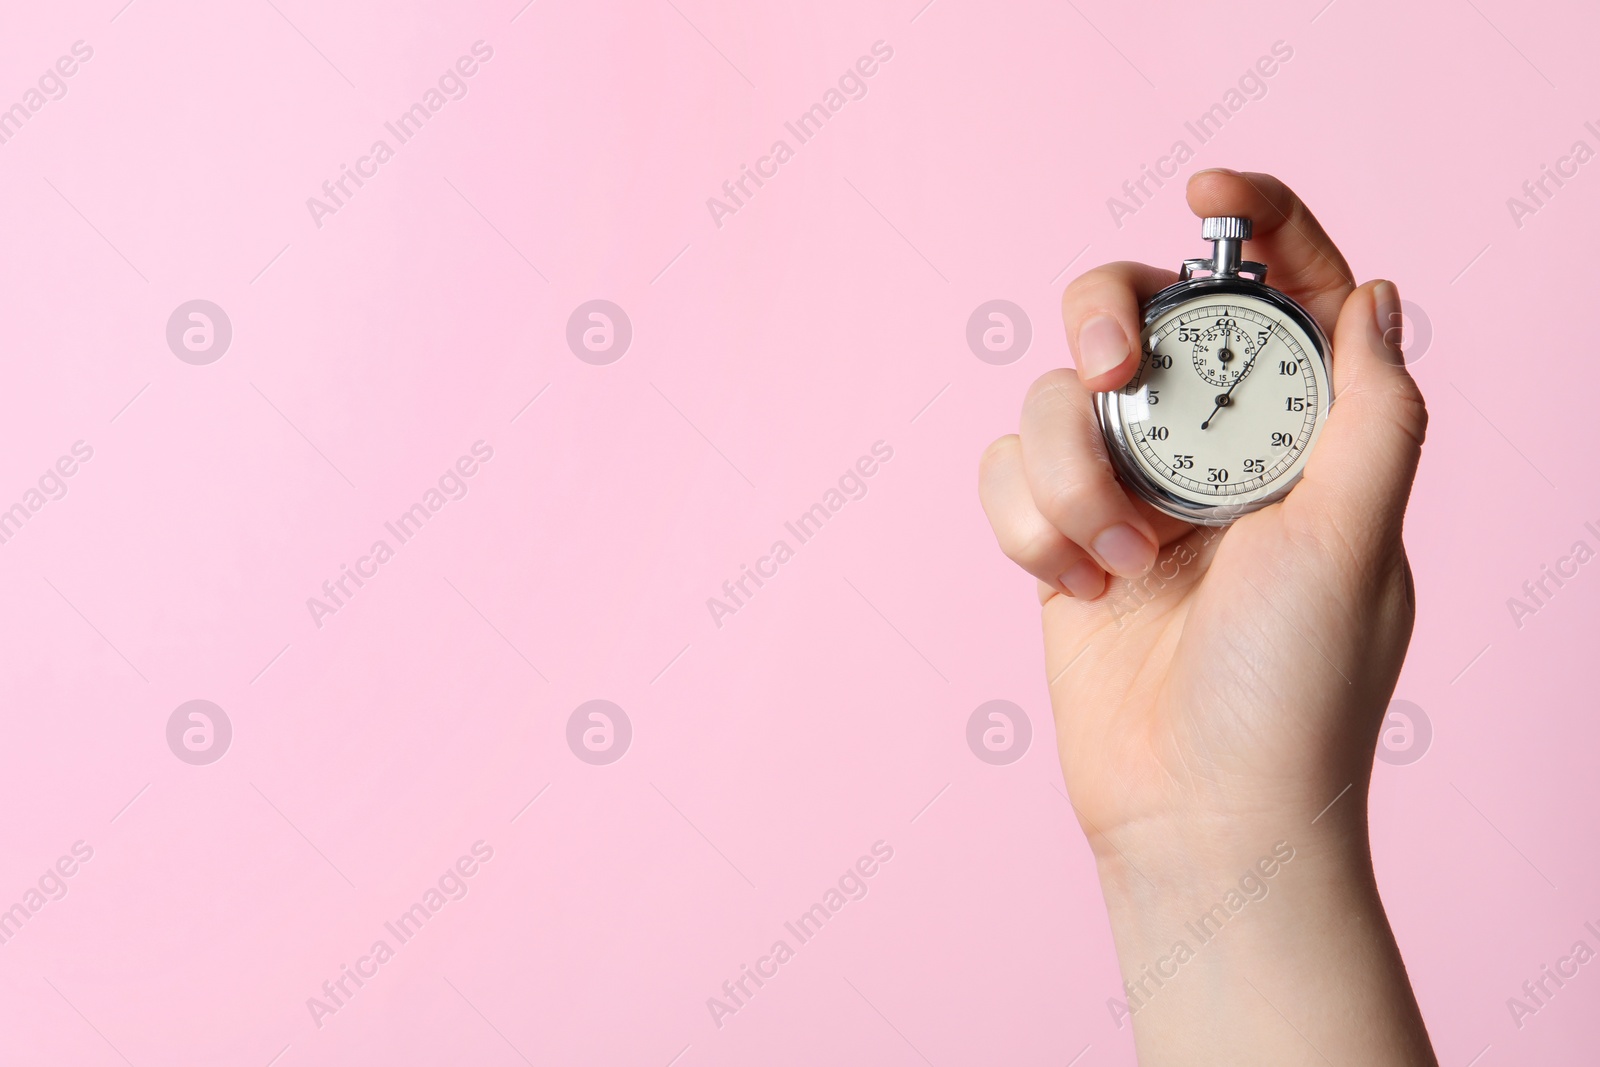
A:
(1409, 408)
(1064, 495)
(1049, 381)
(1108, 284)
(1399, 403)
(1391, 398)
(995, 455)
(1047, 387)
(1030, 548)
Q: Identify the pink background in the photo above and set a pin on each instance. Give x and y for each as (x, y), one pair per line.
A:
(768, 354)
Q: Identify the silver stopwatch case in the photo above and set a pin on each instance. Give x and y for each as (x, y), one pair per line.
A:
(1225, 276)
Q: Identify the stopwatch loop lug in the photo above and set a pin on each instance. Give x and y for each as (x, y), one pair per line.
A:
(1191, 267)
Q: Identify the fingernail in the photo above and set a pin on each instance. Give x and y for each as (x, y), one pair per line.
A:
(1391, 319)
(1084, 580)
(1102, 346)
(1217, 170)
(1124, 550)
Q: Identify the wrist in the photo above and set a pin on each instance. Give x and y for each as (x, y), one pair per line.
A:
(1243, 896)
(1160, 864)
(1220, 921)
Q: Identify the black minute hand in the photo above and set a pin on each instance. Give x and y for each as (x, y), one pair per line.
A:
(1244, 371)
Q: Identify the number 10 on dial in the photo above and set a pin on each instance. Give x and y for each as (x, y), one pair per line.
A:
(1231, 392)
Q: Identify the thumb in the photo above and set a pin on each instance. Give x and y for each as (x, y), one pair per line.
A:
(1359, 475)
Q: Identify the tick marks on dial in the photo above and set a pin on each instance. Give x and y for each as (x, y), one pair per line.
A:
(1226, 342)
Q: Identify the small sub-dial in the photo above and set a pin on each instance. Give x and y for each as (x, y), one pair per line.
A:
(1222, 353)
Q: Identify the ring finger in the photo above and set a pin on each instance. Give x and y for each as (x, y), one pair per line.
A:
(1024, 534)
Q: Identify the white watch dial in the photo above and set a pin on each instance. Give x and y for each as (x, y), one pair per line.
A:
(1229, 398)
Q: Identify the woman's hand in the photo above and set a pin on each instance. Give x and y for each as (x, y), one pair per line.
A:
(1215, 691)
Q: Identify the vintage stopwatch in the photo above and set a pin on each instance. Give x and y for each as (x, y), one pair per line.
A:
(1232, 390)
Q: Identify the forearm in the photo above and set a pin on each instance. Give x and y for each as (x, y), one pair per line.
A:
(1244, 945)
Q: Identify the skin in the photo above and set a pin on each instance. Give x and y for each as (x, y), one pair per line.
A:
(1220, 696)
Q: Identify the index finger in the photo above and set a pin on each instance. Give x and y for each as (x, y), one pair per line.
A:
(1303, 260)
(1101, 311)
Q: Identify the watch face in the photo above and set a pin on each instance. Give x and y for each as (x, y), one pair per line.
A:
(1231, 392)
